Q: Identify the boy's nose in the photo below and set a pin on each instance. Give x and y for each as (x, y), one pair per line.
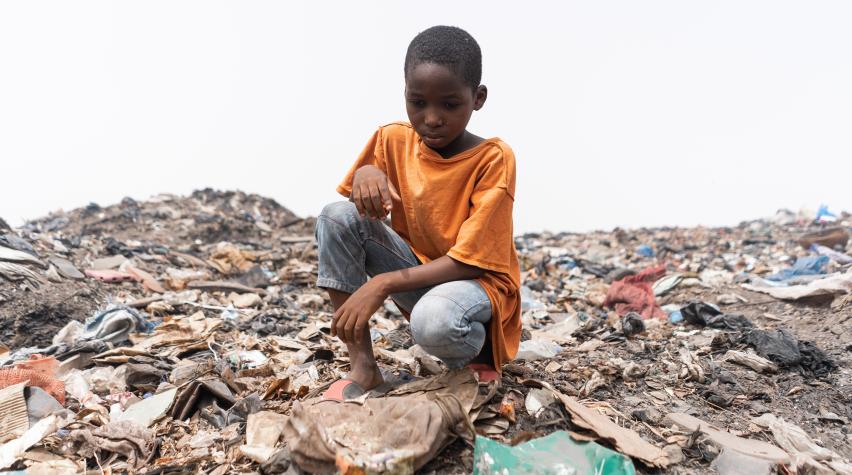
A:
(433, 120)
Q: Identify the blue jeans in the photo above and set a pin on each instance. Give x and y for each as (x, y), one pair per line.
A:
(447, 320)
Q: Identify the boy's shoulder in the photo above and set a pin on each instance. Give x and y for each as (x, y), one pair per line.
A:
(397, 129)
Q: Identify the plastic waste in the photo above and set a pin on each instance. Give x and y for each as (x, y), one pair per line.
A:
(40, 404)
(230, 314)
(528, 301)
(676, 317)
(835, 256)
(556, 454)
(731, 462)
(532, 350)
(706, 314)
(811, 265)
(537, 400)
(824, 215)
(645, 251)
(785, 350)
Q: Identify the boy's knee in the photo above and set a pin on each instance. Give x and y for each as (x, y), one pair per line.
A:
(434, 322)
(340, 211)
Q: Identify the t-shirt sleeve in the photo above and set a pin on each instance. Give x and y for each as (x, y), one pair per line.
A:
(373, 154)
(485, 239)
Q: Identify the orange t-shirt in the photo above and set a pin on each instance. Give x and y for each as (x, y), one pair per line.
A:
(461, 207)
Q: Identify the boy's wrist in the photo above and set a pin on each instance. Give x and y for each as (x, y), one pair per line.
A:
(386, 282)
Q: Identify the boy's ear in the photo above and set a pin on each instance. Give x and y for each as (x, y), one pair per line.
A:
(479, 96)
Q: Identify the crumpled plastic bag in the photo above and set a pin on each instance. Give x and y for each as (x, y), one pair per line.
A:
(395, 434)
(810, 265)
(704, 314)
(555, 454)
(785, 350)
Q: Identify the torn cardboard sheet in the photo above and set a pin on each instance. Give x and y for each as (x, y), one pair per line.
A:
(13, 410)
(625, 440)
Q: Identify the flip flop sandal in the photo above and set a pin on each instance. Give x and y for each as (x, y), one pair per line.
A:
(342, 390)
(485, 373)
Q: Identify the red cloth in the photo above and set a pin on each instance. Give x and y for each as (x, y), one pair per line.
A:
(635, 294)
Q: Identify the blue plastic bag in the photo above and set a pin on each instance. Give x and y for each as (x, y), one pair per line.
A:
(645, 251)
(811, 265)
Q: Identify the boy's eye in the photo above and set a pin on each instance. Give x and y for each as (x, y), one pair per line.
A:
(450, 105)
(417, 102)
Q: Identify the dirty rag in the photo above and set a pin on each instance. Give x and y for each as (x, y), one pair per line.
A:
(122, 438)
(635, 293)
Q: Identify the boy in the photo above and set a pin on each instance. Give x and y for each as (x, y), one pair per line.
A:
(448, 259)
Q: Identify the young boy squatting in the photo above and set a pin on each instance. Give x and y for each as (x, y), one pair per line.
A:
(448, 258)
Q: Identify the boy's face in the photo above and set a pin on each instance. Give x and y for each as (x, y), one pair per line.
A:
(439, 103)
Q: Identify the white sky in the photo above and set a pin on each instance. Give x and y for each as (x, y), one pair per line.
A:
(620, 112)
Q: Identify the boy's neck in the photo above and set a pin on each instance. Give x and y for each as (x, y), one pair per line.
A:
(462, 143)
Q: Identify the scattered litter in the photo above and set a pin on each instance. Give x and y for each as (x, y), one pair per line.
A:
(830, 286)
(532, 350)
(728, 441)
(706, 314)
(731, 462)
(806, 453)
(199, 343)
(787, 351)
(750, 360)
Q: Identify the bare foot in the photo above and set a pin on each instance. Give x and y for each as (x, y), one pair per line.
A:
(363, 368)
(364, 374)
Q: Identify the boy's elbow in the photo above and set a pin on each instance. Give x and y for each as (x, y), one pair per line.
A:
(465, 271)
(473, 272)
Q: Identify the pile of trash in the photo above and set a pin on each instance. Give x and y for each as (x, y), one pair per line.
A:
(185, 334)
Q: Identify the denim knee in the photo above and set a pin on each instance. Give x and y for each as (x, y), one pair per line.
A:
(339, 248)
(441, 327)
(341, 212)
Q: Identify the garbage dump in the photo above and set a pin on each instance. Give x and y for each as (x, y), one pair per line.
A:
(186, 335)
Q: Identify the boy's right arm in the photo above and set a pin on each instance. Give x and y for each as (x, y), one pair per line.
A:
(372, 192)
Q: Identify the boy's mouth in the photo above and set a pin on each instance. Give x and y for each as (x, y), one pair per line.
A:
(431, 140)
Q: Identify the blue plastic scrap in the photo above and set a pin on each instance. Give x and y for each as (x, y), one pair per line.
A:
(811, 265)
(824, 215)
(645, 251)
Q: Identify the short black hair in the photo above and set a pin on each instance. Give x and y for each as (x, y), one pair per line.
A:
(450, 46)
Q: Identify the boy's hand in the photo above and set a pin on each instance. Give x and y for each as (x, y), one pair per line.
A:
(372, 192)
(352, 318)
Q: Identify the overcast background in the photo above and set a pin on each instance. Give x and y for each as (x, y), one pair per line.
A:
(621, 113)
